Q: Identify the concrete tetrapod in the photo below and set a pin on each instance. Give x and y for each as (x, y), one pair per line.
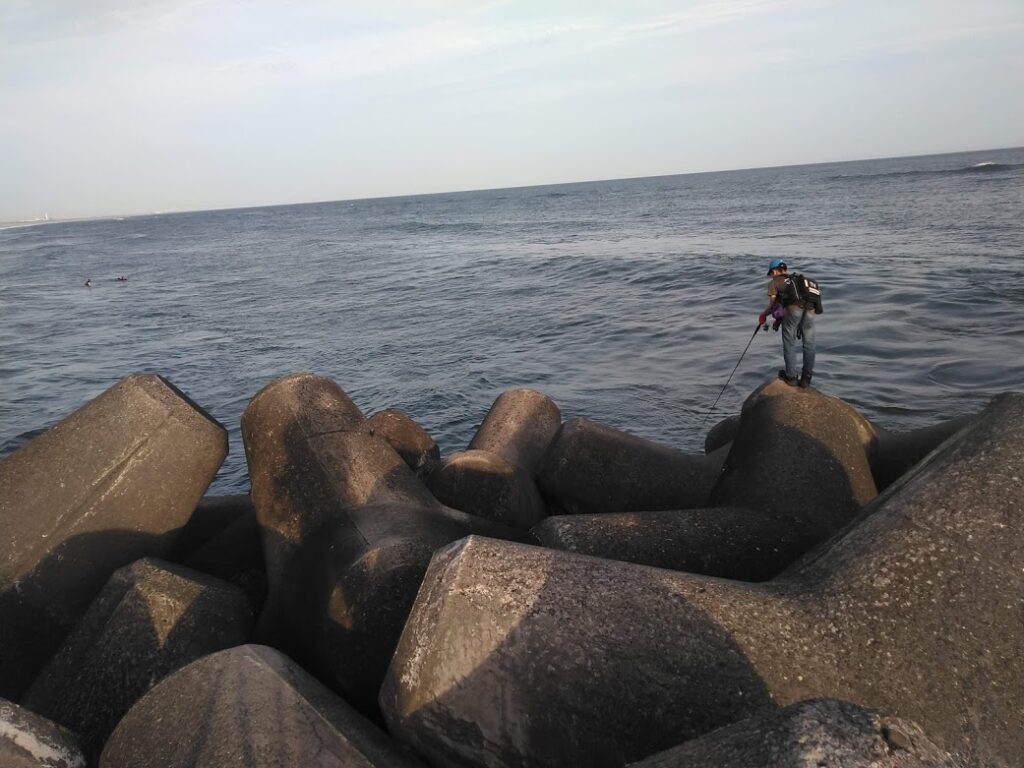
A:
(521, 656)
(897, 452)
(30, 741)
(799, 452)
(819, 732)
(483, 484)
(280, 417)
(729, 542)
(591, 468)
(519, 427)
(408, 438)
(348, 532)
(111, 483)
(150, 619)
(494, 478)
(247, 707)
(723, 433)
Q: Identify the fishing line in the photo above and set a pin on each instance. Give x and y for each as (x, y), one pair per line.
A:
(712, 408)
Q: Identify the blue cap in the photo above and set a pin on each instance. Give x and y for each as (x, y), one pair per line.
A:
(776, 263)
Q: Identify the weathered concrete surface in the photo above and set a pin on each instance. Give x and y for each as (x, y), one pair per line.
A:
(348, 532)
(590, 468)
(247, 707)
(799, 452)
(730, 542)
(151, 618)
(519, 427)
(409, 439)
(723, 433)
(518, 655)
(897, 452)
(819, 732)
(30, 741)
(890, 454)
(287, 411)
(494, 478)
(521, 656)
(111, 483)
(484, 484)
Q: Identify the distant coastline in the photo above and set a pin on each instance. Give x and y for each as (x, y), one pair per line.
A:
(27, 223)
(48, 220)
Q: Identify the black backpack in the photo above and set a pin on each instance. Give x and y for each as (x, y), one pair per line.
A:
(801, 288)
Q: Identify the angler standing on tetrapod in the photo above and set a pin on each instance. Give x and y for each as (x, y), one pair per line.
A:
(793, 300)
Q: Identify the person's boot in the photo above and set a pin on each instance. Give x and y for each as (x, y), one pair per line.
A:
(805, 378)
(791, 380)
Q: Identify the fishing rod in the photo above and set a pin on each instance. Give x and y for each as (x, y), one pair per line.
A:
(712, 408)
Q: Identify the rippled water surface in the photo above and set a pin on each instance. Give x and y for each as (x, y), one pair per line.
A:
(625, 301)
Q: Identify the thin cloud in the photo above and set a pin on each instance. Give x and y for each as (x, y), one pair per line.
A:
(710, 14)
(122, 97)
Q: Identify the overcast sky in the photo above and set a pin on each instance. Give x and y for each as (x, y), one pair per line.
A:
(133, 106)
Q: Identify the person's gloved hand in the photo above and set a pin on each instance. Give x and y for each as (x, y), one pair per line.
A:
(762, 318)
(776, 324)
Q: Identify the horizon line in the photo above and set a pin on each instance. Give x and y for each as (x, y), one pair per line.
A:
(41, 221)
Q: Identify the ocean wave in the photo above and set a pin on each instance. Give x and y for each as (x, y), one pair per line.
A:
(563, 227)
(420, 227)
(987, 166)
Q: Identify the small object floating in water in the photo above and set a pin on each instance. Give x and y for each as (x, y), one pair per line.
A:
(121, 279)
(88, 282)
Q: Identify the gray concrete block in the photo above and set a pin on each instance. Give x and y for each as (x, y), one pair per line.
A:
(150, 619)
(247, 707)
(494, 478)
(30, 741)
(730, 542)
(111, 483)
(484, 484)
(516, 655)
(723, 433)
(590, 469)
(406, 437)
(519, 427)
(896, 452)
(819, 732)
(348, 532)
(289, 410)
(802, 453)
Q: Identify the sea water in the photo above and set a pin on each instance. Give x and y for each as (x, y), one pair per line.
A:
(629, 302)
